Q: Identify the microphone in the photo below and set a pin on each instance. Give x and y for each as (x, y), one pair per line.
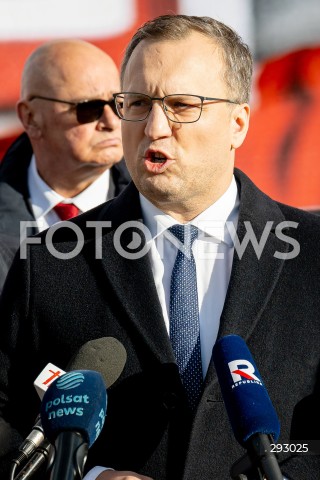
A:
(252, 416)
(73, 411)
(43, 454)
(31, 443)
(46, 377)
(105, 355)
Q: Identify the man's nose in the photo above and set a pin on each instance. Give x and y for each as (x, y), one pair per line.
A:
(109, 119)
(158, 124)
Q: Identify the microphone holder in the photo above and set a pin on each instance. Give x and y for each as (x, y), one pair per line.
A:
(259, 463)
(71, 454)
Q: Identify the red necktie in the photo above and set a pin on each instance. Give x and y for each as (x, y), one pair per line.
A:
(66, 210)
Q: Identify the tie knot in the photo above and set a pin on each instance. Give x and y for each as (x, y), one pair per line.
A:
(66, 210)
(186, 234)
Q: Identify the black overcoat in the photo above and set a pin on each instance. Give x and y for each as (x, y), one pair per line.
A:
(51, 307)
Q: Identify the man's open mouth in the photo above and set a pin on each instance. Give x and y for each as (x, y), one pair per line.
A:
(157, 157)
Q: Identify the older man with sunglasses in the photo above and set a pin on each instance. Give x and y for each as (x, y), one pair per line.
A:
(69, 159)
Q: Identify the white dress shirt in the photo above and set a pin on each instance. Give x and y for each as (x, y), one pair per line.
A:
(213, 252)
(44, 199)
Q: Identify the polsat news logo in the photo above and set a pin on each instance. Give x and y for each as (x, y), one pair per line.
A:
(242, 372)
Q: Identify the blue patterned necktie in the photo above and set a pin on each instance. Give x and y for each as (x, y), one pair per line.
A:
(184, 314)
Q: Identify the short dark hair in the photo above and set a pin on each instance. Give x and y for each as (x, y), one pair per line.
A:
(235, 53)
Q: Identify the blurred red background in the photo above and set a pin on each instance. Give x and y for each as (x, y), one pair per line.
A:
(280, 152)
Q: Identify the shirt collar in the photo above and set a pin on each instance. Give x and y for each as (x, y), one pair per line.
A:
(44, 199)
(212, 221)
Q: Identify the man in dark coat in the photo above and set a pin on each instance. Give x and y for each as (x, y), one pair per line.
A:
(8, 247)
(185, 83)
(72, 136)
(15, 201)
(71, 151)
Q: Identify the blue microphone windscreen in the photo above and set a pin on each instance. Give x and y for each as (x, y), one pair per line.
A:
(247, 402)
(76, 401)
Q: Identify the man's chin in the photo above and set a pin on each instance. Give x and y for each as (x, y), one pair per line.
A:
(158, 192)
(104, 163)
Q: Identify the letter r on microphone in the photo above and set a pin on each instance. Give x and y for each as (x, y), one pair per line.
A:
(242, 370)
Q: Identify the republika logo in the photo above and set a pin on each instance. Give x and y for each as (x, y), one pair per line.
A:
(242, 371)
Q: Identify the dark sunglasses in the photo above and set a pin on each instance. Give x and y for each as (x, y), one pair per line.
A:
(87, 111)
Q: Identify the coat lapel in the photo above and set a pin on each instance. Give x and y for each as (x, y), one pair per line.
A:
(250, 288)
(252, 279)
(132, 279)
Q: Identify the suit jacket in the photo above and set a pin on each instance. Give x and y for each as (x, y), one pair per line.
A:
(51, 307)
(8, 247)
(14, 193)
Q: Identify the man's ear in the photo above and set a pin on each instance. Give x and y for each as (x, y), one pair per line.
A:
(29, 119)
(240, 124)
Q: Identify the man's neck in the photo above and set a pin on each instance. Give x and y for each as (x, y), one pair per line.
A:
(70, 184)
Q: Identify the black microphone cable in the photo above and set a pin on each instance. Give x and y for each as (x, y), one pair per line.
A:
(12, 472)
(43, 454)
(30, 444)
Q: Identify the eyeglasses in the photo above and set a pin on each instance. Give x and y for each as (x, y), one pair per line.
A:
(179, 108)
(87, 111)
